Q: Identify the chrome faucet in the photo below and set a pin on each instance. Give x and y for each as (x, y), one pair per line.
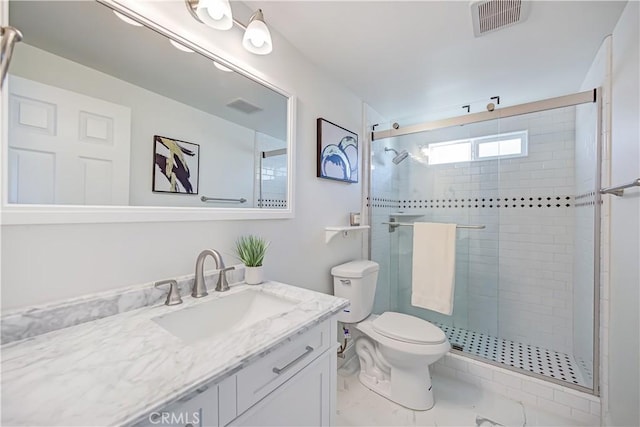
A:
(199, 287)
(173, 297)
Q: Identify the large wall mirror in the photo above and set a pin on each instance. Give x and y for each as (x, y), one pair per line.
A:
(104, 112)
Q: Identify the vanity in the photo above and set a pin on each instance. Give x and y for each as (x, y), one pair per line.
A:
(272, 363)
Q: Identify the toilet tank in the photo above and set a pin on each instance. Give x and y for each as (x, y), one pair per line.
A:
(355, 281)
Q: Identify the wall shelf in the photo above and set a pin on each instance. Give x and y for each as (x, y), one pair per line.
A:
(331, 232)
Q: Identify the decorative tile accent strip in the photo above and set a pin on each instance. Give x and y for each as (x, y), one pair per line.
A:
(586, 199)
(273, 203)
(490, 202)
(37, 320)
(378, 202)
(527, 357)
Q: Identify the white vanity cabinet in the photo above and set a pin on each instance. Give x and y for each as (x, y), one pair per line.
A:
(294, 384)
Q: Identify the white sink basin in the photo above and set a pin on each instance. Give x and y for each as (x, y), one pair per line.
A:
(224, 315)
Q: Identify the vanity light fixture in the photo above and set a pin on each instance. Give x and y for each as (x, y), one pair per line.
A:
(217, 14)
(180, 46)
(213, 13)
(127, 19)
(222, 67)
(257, 38)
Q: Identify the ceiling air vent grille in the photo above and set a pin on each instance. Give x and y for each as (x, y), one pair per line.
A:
(244, 106)
(493, 15)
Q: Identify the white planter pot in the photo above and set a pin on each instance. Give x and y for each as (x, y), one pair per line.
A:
(253, 275)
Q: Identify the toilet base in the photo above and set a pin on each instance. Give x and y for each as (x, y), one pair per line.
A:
(409, 388)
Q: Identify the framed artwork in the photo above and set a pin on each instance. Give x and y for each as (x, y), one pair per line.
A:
(176, 166)
(337, 152)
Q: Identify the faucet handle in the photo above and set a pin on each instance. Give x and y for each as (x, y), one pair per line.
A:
(223, 284)
(173, 298)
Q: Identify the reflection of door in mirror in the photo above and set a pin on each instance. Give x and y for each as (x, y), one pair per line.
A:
(66, 148)
(84, 110)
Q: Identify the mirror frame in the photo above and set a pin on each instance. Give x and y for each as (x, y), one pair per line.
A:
(16, 214)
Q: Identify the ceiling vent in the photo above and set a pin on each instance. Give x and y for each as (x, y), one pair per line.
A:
(492, 15)
(244, 106)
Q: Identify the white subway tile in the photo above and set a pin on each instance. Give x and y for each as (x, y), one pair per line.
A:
(554, 407)
(468, 378)
(457, 363)
(538, 389)
(507, 379)
(522, 396)
(571, 400)
(480, 371)
(494, 387)
(444, 370)
(585, 417)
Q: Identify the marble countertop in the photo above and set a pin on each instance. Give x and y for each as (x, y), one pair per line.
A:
(116, 370)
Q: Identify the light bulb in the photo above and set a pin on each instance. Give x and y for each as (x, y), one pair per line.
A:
(127, 19)
(222, 67)
(257, 38)
(180, 47)
(215, 13)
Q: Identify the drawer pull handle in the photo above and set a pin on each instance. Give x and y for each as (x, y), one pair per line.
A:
(278, 371)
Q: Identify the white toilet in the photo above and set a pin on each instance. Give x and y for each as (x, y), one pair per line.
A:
(397, 348)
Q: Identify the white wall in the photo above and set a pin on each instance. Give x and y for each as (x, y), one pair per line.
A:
(624, 323)
(51, 262)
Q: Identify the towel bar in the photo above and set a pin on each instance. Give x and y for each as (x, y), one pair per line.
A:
(393, 225)
(220, 199)
(619, 190)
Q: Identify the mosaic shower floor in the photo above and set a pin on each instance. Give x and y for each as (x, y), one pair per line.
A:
(530, 358)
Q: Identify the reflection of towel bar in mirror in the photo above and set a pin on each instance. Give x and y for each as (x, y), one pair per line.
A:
(222, 199)
(267, 154)
(393, 225)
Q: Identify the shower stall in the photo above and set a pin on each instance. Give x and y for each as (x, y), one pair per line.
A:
(524, 182)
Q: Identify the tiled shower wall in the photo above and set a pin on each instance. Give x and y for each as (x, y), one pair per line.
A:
(273, 172)
(514, 279)
(383, 201)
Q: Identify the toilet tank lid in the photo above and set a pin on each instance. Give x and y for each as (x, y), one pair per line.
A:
(355, 269)
(403, 327)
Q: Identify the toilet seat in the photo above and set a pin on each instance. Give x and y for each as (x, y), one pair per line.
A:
(366, 327)
(409, 329)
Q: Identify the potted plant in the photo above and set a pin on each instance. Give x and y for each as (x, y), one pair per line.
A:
(251, 251)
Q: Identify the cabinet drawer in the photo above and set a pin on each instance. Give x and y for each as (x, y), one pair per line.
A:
(260, 378)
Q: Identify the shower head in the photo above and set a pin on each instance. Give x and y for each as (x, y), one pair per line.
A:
(399, 156)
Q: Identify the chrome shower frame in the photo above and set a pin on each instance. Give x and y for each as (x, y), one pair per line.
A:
(586, 97)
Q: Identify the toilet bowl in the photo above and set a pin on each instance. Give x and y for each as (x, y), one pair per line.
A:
(396, 349)
(395, 355)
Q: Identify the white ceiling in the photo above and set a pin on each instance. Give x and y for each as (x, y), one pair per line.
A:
(409, 58)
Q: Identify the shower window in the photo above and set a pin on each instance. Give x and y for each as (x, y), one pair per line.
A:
(513, 144)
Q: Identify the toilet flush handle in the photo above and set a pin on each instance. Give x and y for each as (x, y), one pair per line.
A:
(345, 281)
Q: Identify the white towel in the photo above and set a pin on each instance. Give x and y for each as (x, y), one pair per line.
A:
(434, 260)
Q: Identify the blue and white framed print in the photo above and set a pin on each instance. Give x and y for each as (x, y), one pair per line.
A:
(337, 152)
